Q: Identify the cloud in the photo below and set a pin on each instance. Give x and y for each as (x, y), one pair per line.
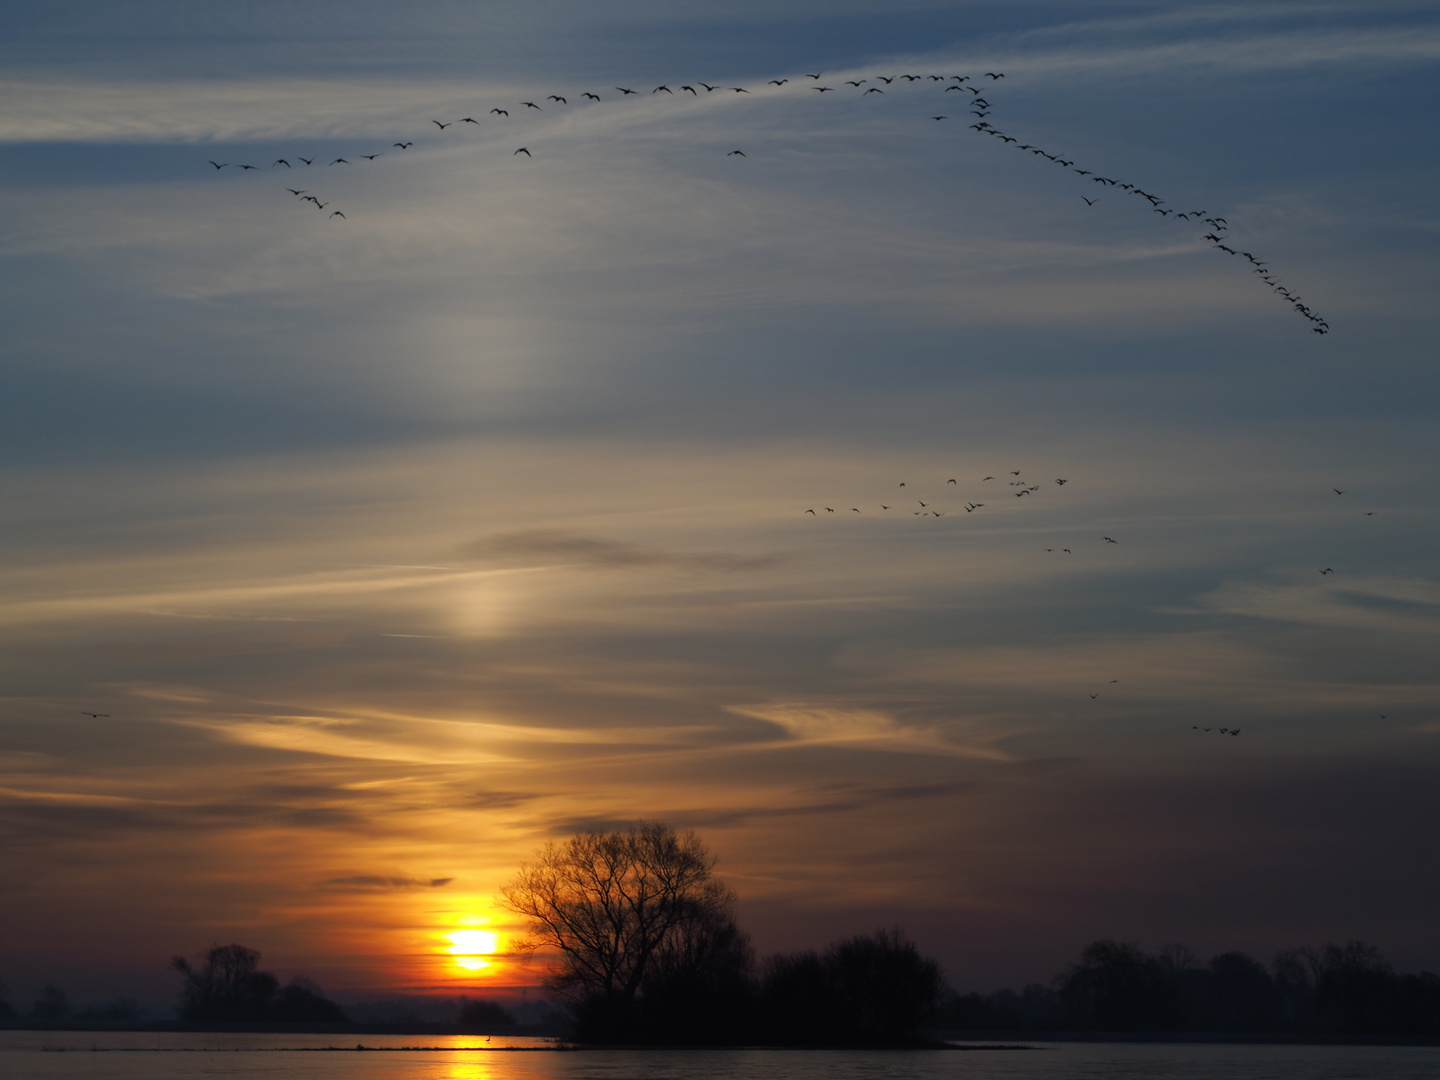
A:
(378, 883)
(581, 550)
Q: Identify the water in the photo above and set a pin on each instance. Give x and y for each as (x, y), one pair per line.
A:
(171, 1056)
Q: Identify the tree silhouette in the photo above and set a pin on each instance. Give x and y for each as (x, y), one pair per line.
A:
(229, 987)
(614, 904)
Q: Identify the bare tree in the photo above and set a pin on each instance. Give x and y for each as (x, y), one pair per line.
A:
(610, 903)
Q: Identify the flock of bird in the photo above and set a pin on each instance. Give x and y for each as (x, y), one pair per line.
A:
(971, 89)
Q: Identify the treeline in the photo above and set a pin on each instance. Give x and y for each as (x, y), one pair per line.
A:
(1337, 990)
(226, 986)
(647, 949)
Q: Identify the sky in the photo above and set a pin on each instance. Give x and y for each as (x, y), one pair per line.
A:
(393, 545)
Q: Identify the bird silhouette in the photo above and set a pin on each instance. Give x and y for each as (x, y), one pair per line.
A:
(500, 112)
(624, 91)
(101, 715)
(441, 126)
(403, 145)
(465, 120)
(778, 82)
(523, 150)
(530, 105)
(1327, 570)
(293, 191)
(337, 213)
(280, 161)
(1062, 483)
(810, 511)
(1110, 541)
(665, 88)
(592, 97)
(557, 97)
(220, 164)
(733, 153)
(371, 157)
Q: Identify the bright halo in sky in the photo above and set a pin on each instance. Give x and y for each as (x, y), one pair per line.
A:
(471, 947)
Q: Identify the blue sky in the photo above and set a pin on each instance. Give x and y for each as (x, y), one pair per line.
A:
(398, 543)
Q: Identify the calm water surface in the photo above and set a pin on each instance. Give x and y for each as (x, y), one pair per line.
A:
(169, 1056)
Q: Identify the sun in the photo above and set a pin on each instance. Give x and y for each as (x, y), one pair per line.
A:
(472, 948)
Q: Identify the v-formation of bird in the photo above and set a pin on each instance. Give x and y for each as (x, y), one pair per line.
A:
(980, 107)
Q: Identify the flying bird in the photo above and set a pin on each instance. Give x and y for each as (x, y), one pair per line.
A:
(501, 112)
(732, 153)
(1327, 570)
(220, 164)
(624, 91)
(280, 161)
(665, 88)
(1110, 541)
(294, 192)
(708, 87)
(737, 89)
(336, 213)
(524, 151)
(592, 97)
(468, 120)
(993, 75)
(778, 82)
(307, 160)
(1337, 491)
(99, 715)
(557, 97)
(1088, 202)
(339, 161)
(821, 89)
(810, 512)
(1062, 483)
(249, 166)
(531, 105)
(441, 126)
(403, 145)
(371, 157)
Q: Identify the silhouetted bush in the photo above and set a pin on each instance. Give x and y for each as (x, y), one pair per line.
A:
(484, 1017)
(871, 990)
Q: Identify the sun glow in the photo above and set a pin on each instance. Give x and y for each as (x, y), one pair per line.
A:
(472, 948)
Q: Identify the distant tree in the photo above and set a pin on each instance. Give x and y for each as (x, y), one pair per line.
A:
(227, 985)
(52, 1004)
(698, 986)
(609, 904)
(302, 1002)
(1116, 987)
(873, 989)
(1241, 995)
(484, 1017)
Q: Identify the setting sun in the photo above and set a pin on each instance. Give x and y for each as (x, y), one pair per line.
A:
(470, 948)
